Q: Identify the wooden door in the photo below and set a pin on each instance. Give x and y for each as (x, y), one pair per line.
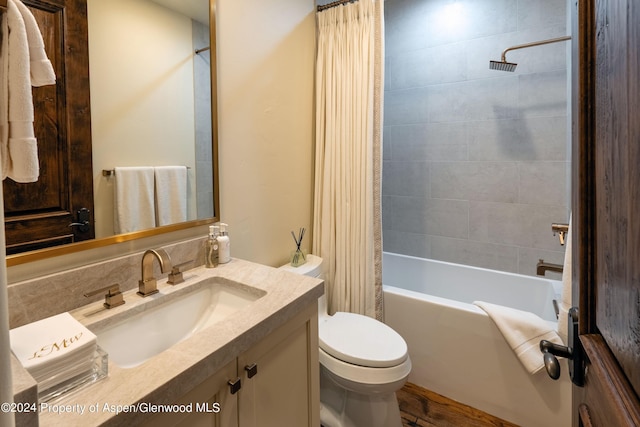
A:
(606, 209)
(39, 214)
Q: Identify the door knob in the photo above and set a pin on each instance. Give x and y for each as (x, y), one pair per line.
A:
(550, 351)
(574, 354)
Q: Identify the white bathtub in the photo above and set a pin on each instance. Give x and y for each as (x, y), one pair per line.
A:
(455, 348)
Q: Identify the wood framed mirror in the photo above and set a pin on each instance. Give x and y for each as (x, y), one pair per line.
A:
(118, 96)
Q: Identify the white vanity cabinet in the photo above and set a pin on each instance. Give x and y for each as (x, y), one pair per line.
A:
(209, 395)
(279, 383)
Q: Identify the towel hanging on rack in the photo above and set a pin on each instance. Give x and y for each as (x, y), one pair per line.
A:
(21, 50)
(41, 69)
(134, 199)
(171, 194)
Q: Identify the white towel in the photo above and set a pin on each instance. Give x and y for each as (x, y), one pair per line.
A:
(53, 346)
(134, 201)
(523, 331)
(171, 194)
(565, 299)
(41, 72)
(18, 146)
(23, 153)
(16, 86)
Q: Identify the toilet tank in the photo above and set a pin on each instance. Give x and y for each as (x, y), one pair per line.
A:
(313, 267)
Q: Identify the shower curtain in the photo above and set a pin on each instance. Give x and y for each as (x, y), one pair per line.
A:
(347, 209)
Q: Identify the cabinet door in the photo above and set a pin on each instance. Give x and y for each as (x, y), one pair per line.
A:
(210, 404)
(280, 376)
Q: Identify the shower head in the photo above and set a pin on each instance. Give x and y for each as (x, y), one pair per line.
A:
(502, 66)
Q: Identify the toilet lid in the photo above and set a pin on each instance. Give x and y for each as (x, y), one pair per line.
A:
(361, 340)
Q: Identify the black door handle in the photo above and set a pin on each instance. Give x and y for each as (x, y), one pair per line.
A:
(82, 223)
(573, 354)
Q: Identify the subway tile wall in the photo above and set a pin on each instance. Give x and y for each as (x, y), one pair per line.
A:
(476, 161)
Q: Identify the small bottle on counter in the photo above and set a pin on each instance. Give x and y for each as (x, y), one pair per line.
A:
(211, 252)
(224, 244)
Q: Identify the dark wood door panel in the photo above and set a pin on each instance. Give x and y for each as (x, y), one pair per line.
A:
(606, 202)
(38, 214)
(609, 399)
(618, 294)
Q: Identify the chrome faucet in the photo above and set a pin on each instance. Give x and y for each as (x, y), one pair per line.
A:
(148, 284)
(542, 267)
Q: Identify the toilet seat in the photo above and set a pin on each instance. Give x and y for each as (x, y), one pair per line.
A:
(355, 377)
(360, 340)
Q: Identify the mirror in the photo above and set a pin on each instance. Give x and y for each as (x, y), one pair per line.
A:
(171, 112)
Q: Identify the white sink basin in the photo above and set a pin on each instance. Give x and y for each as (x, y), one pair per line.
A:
(141, 336)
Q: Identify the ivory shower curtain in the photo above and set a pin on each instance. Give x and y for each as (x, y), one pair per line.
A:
(347, 210)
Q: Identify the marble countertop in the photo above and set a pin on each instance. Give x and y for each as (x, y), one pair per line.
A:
(172, 373)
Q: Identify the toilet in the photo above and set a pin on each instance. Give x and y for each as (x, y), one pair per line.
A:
(363, 362)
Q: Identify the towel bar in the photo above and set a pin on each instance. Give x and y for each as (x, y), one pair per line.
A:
(112, 172)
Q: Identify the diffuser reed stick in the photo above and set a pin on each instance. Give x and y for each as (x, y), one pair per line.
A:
(295, 259)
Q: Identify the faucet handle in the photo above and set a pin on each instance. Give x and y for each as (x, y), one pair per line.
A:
(113, 296)
(175, 276)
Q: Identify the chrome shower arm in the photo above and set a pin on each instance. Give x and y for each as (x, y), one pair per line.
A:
(538, 43)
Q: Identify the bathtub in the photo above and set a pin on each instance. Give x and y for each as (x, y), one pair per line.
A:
(456, 349)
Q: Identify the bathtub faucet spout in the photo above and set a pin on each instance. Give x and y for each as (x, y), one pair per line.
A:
(542, 267)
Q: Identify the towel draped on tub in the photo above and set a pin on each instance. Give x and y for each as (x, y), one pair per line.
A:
(523, 331)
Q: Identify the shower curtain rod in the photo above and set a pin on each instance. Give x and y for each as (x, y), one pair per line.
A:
(334, 4)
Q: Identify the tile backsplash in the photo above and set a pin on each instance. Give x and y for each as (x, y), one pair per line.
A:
(41, 297)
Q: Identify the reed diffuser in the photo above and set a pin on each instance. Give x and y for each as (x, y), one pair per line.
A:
(298, 257)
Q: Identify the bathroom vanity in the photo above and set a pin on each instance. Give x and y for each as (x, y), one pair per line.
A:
(257, 365)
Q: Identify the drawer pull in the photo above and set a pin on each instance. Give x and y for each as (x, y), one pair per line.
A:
(235, 385)
(252, 370)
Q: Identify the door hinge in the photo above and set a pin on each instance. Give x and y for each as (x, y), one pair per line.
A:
(574, 354)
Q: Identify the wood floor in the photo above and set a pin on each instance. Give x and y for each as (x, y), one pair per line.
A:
(424, 408)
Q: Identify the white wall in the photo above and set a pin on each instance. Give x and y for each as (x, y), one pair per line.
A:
(265, 83)
(135, 66)
(266, 54)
